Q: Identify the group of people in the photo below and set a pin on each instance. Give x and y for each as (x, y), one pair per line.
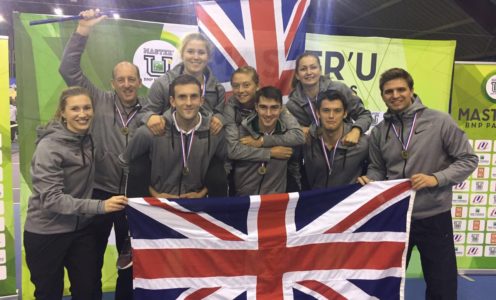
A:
(184, 140)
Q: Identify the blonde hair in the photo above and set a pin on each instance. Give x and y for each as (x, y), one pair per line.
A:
(198, 37)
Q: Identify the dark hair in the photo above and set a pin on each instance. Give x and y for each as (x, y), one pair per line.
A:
(69, 92)
(127, 62)
(183, 79)
(395, 73)
(248, 70)
(269, 92)
(294, 80)
(331, 95)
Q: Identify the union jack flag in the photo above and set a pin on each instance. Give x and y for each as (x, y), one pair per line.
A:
(265, 34)
(343, 243)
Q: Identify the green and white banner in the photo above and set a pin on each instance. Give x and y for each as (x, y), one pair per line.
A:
(7, 255)
(359, 62)
(474, 201)
(151, 46)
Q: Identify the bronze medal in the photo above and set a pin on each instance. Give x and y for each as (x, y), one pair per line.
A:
(262, 170)
(185, 171)
(404, 154)
(125, 130)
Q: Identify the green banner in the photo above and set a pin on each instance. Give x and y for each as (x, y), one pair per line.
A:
(474, 201)
(39, 83)
(359, 62)
(7, 255)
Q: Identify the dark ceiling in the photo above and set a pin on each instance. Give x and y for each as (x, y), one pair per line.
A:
(472, 23)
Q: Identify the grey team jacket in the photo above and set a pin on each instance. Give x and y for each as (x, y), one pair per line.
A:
(298, 104)
(438, 147)
(62, 172)
(234, 113)
(106, 126)
(349, 162)
(158, 95)
(165, 153)
(247, 180)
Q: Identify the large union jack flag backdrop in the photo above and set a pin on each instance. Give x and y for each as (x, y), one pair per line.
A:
(344, 243)
(265, 34)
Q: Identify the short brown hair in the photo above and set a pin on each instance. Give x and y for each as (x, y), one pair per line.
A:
(395, 73)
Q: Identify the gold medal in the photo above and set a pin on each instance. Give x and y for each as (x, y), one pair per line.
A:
(125, 130)
(262, 170)
(185, 171)
(404, 154)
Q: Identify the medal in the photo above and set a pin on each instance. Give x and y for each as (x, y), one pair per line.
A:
(125, 120)
(186, 152)
(262, 170)
(404, 145)
(185, 171)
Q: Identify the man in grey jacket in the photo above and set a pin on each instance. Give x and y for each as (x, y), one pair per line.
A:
(181, 156)
(265, 176)
(114, 125)
(328, 161)
(428, 147)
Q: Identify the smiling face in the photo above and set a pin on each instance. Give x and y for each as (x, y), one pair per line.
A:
(126, 82)
(187, 101)
(308, 71)
(268, 111)
(195, 57)
(78, 113)
(397, 95)
(244, 87)
(331, 114)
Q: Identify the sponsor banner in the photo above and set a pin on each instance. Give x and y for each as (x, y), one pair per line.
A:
(153, 47)
(7, 255)
(359, 62)
(474, 109)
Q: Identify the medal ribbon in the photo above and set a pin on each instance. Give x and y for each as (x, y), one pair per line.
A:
(314, 115)
(186, 157)
(410, 134)
(125, 123)
(329, 163)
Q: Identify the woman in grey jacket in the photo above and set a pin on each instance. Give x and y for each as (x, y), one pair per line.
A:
(308, 82)
(56, 232)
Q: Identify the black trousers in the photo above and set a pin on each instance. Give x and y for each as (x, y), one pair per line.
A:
(48, 254)
(433, 237)
(137, 186)
(102, 226)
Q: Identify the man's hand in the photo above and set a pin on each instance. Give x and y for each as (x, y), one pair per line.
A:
(420, 181)
(363, 180)
(156, 124)
(114, 203)
(201, 194)
(250, 141)
(215, 125)
(280, 152)
(90, 18)
(352, 137)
